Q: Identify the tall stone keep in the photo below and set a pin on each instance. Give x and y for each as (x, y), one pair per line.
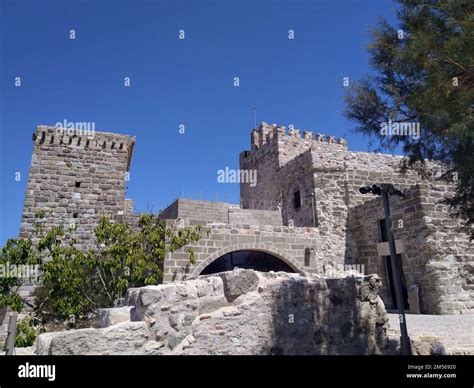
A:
(76, 176)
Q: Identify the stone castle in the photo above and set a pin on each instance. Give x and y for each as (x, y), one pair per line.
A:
(304, 214)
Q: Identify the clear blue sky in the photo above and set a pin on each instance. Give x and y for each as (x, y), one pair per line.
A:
(175, 82)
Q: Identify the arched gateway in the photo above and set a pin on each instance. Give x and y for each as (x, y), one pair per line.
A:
(257, 260)
(259, 257)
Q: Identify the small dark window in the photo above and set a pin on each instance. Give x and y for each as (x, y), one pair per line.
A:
(297, 199)
(74, 215)
(307, 257)
(78, 184)
(383, 231)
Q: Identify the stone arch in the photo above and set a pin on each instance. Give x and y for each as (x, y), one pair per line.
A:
(278, 253)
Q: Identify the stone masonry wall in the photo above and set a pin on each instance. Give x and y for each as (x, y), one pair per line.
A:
(76, 178)
(265, 195)
(197, 210)
(207, 211)
(297, 176)
(316, 164)
(79, 178)
(309, 164)
(241, 312)
(238, 216)
(448, 254)
(286, 161)
(437, 257)
(296, 246)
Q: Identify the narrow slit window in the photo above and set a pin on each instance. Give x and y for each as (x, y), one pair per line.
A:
(297, 199)
(307, 257)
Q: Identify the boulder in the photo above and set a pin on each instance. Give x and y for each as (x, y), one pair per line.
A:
(122, 338)
(112, 316)
(428, 346)
(239, 282)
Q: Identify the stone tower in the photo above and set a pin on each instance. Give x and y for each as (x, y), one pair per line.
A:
(288, 164)
(76, 176)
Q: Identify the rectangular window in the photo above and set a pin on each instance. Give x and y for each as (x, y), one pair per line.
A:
(74, 215)
(78, 184)
(307, 257)
(297, 199)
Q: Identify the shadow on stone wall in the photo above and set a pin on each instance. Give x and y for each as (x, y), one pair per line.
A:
(328, 317)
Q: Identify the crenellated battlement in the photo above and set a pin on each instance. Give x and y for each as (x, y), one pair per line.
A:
(83, 139)
(266, 132)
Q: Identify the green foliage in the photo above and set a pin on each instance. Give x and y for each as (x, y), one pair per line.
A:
(15, 253)
(26, 332)
(78, 282)
(425, 73)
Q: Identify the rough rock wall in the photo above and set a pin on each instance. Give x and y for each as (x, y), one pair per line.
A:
(238, 312)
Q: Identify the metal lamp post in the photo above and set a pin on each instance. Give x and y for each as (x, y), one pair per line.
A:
(386, 189)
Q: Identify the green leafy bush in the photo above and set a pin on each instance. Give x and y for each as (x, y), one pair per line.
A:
(15, 253)
(26, 332)
(75, 282)
(78, 282)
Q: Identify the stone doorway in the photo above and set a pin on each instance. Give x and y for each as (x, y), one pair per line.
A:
(391, 285)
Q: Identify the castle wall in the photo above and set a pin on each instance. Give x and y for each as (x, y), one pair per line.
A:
(348, 221)
(265, 195)
(449, 254)
(303, 249)
(273, 149)
(238, 216)
(191, 209)
(76, 178)
(171, 212)
(435, 257)
(367, 168)
(206, 211)
(285, 161)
